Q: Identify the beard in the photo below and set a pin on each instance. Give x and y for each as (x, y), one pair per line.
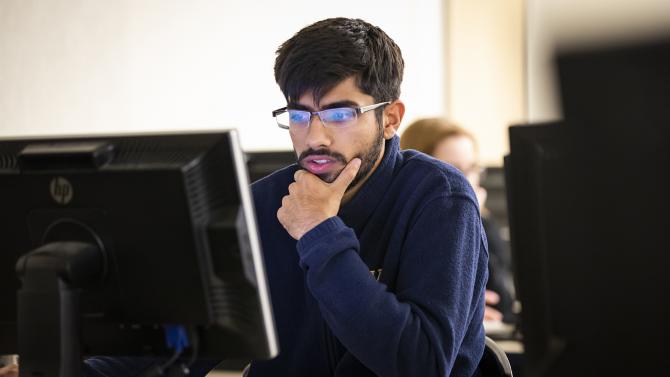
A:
(368, 158)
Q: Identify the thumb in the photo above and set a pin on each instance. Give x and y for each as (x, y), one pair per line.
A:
(347, 174)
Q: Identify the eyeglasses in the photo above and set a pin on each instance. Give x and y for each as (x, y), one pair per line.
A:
(341, 117)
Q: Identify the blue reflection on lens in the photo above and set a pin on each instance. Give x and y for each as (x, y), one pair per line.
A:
(297, 116)
(339, 116)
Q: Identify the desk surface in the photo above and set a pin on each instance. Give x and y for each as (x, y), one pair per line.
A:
(503, 334)
(498, 329)
(510, 346)
(218, 373)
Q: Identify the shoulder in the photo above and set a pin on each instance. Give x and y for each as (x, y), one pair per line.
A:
(276, 182)
(434, 178)
(269, 191)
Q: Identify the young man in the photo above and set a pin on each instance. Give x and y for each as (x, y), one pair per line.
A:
(375, 257)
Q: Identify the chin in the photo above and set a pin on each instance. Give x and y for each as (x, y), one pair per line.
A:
(329, 177)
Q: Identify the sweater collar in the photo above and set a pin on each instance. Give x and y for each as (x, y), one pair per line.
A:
(356, 212)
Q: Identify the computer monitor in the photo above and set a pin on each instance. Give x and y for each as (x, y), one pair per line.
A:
(588, 218)
(263, 163)
(107, 242)
(535, 210)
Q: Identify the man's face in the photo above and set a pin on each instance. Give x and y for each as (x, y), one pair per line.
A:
(326, 151)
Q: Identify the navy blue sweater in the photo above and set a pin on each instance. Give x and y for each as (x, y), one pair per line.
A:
(392, 286)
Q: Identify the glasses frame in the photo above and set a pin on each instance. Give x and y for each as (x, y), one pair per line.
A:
(359, 110)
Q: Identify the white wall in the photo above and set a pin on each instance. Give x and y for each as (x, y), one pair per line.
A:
(563, 23)
(485, 71)
(97, 66)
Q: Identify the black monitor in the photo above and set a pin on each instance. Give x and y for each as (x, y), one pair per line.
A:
(110, 244)
(533, 174)
(263, 163)
(588, 205)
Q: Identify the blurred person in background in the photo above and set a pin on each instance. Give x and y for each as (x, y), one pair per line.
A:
(445, 141)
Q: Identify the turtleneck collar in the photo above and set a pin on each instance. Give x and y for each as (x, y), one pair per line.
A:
(357, 210)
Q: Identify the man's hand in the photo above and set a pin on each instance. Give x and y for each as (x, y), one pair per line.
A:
(9, 371)
(310, 200)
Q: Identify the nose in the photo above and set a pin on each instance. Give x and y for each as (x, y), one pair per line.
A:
(318, 136)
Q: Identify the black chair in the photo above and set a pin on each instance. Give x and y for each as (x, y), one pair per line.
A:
(494, 362)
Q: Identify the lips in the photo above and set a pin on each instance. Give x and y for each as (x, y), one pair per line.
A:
(319, 164)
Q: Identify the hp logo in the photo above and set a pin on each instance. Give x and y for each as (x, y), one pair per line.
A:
(61, 190)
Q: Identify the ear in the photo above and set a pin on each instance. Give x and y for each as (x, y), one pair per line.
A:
(393, 114)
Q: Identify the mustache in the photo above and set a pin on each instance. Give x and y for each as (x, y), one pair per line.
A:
(321, 152)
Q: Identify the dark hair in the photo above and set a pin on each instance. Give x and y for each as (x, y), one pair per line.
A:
(323, 54)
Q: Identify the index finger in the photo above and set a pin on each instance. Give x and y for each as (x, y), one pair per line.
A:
(347, 175)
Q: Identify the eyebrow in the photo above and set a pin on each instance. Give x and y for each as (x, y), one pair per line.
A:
(334, 105)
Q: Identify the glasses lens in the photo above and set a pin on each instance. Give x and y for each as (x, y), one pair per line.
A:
(298, 118)
(293, 119)
(338, 118)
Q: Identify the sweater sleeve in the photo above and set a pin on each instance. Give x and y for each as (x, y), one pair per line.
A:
(417, 329)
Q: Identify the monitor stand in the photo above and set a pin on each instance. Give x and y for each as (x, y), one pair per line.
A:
(48, 314)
